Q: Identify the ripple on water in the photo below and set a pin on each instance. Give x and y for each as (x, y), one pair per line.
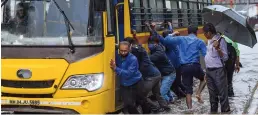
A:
(256, 65)
(256, 58)
(252, 71)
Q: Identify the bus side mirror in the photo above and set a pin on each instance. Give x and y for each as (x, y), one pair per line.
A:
(100, 5)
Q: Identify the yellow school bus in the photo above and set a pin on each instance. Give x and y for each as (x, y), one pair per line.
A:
(54, 64)
(56, 53)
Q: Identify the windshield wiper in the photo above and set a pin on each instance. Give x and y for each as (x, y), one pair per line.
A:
(4, 2)
(68, 25)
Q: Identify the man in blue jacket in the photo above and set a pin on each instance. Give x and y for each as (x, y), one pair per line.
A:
(151, 76)
(130, 76)
(172, 52)
(168, 72)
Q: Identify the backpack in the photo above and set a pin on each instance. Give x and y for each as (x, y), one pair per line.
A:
(232, 55)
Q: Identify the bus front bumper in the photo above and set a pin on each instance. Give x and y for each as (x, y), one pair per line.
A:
(95, 104)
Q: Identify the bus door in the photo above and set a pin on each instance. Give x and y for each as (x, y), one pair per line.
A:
(119, 15)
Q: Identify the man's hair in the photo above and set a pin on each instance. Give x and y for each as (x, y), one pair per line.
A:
(209, 27)
(153, 39)
(166, 32)
(126, 43)
(192, 29)
(130, 40)
(21, 6)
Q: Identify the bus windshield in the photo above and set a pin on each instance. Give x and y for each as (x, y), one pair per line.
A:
(39, 22)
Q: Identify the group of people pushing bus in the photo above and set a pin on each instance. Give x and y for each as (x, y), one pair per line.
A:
(172, 63)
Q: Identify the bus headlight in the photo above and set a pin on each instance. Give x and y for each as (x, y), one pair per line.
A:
(89, 82)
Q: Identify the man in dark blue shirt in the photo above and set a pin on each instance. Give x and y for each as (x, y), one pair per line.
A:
(150, 74)
(130, 76)
(168, 72)
(172, 52)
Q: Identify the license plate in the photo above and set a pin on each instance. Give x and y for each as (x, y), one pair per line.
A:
(24, 102)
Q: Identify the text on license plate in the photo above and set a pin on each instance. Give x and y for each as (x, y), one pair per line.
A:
(24, 102)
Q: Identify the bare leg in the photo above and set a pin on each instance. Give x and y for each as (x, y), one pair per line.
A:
(200, 89)
(189, 101)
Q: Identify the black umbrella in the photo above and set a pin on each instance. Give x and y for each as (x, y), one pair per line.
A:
(230, 23)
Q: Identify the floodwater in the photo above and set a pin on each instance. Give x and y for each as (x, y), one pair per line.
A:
(253, 109)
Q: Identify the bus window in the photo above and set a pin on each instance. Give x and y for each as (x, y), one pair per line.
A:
(135, 17)
(181, 13)
(172, 12)
(146, 10)
(193, 12)
(202, 4)
(157, 13)
(168, 5)
(184, 13)
(111, 17)
(153, 8)
(160, 10)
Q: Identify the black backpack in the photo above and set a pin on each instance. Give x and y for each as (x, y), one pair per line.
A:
(232, 55)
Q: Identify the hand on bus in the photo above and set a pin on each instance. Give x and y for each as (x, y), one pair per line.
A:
(133, 31)
(153, 25)
(147, 23)
(176, 33)
(169, 23)
(112, 64)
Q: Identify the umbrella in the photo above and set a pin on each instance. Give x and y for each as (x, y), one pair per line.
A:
(230, 23)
